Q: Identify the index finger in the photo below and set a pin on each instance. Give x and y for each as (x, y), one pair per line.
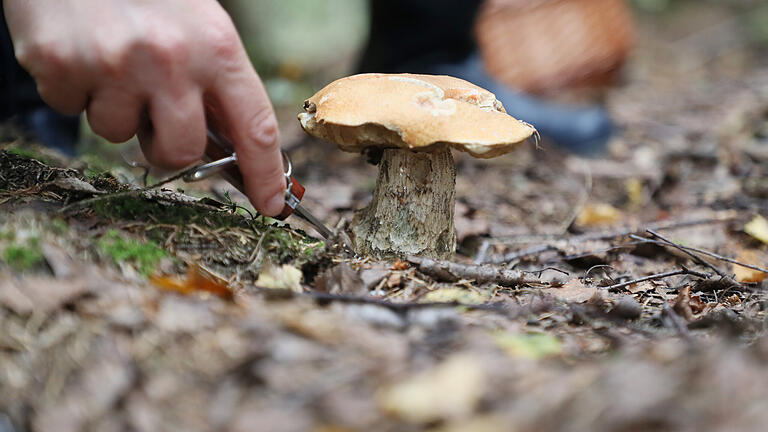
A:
(251, 124)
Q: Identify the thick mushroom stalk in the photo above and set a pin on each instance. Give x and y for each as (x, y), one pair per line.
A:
(411, 212)
(416, 119)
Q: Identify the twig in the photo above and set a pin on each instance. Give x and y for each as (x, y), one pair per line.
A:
(695, 257)
(322, 297)
(682, 271)
(708, 253)
(451, 272)
(677, 323)
(121, 194)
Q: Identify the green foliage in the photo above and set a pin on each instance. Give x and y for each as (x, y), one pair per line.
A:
(24, 256)
(144, 256)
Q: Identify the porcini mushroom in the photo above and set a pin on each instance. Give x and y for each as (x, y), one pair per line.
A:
(412, 121)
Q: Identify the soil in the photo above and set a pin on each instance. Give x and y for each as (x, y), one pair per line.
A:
(573, 302)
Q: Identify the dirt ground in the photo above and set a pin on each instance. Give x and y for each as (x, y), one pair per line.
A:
(587, 294)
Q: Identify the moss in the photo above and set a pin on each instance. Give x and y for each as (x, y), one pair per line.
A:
(24, 256)
(139, 208)
(144, 255)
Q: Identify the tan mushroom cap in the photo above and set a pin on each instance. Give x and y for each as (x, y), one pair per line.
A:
(411, 111)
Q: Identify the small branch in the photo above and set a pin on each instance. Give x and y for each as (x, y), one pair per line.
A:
(695, 257)
(451, 272)
(325, 298)
(708, 253)
(131, 192)
(682, 271)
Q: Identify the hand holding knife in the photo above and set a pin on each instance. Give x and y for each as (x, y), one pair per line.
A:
(224, 161)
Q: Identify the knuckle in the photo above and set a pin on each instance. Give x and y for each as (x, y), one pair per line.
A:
(222, 38)
(262, 130)
(44, 59)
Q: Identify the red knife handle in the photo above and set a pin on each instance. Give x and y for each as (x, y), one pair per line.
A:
(221, 148)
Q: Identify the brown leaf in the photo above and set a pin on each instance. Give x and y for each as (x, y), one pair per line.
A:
(573, 291)
(394, 280)
(400, 265)
(745, 274)
(340, 279)
(36, 293)
(682, 304)
(194, 282)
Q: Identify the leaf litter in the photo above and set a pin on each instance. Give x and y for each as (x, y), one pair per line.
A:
(581, 323)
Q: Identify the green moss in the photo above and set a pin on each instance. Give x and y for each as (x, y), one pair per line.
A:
(26, 152)
(144, 256)
(139, 208)
(24, 256)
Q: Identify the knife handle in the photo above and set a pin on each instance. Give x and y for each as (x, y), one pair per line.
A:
(219, 147)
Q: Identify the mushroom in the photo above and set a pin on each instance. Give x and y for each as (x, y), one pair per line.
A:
(409, 123)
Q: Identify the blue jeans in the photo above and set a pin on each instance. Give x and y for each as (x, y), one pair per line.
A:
(581, 130)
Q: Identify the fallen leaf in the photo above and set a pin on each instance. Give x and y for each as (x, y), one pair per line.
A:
(485, 423)
(42, 294)
(455, 294)
(745, 274)
(372, 276)
(450, 390)
(400, 265)
(285, 276)
(533, 345)
(573, 291)
(682, 303)
(732, 300)
(340, 279)
(193, 282)
(758, 228)
(394, 280)
(635, 192)
(598, 214)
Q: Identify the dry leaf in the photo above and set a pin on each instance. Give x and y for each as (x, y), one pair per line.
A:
(758, 228)
(458, 295)
(400, 265)
(533, 346)
(451, 390)
(573, 291)
(745, 274)
(194, 282)
(42, 294)
(394, 280)
(598, 214)
(340, 279)
(284, 277)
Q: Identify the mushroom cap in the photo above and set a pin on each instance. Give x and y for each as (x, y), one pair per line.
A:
(416, 112)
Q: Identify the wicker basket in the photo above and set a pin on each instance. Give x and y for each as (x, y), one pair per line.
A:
(544, 45)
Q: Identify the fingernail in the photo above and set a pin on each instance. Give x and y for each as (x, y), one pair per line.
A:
(275, 204)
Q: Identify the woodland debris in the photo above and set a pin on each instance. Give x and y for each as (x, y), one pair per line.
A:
(448, 271)
(682, 271)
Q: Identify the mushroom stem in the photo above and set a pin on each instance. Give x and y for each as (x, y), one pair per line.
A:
(411, 212)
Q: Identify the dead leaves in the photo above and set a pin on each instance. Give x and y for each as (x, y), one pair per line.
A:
(745, 274)
(285, 277)
(758, 228)
(340, 279)
(449, 391)
(574, 291)
(193, 282)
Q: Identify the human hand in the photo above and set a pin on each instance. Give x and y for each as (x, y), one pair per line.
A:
(151, 68)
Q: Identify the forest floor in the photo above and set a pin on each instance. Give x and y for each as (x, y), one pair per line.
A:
(586, 294)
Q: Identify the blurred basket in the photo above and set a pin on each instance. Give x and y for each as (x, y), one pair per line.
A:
(544, 45)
